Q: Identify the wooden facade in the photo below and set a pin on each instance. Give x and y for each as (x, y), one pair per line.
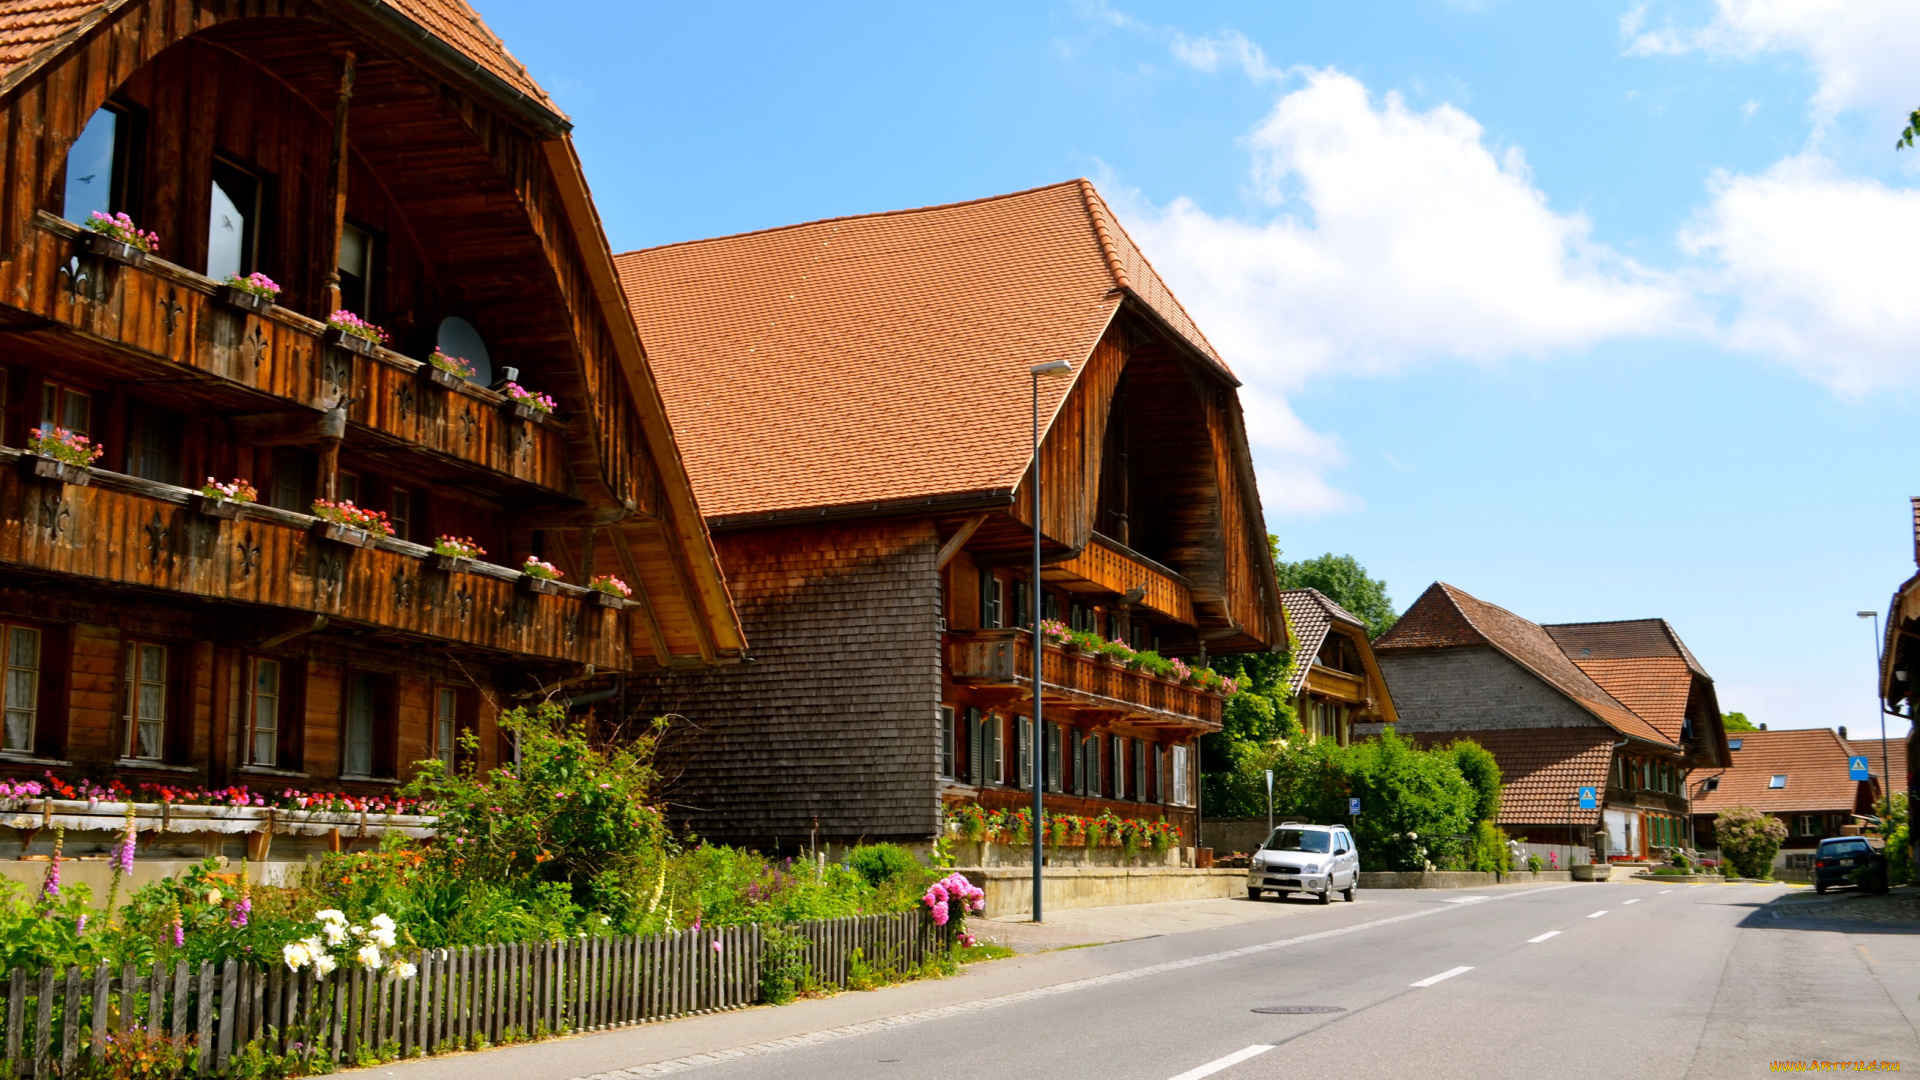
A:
(390, 160)
(1336, 682)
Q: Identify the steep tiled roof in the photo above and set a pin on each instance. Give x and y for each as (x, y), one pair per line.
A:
(1896, 757)
(29, 26)
(1445, 616)
(1654, 687)
(1814, 761)
(1541, 770)
(1310, 614)
(1622, 640)
(883, 357)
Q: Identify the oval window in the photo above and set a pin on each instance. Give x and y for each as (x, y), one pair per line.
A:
(458, 338)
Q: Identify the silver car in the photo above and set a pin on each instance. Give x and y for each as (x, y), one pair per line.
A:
(1316, 859)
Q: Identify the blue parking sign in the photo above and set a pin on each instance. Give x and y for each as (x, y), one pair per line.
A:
(1857, 768)
(1589, 798)
(1353, 807)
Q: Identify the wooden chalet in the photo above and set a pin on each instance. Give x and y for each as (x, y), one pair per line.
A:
(853, 398)
(388, 158)
(1338, 683)
(1619, 707)
(1798, 776)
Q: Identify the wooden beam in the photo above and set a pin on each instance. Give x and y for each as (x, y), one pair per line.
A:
(958, 540)
(337, 185)
(654, 635)
(293, 427)
(683, 577)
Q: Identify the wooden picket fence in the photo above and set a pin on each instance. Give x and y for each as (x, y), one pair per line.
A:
(461, 998)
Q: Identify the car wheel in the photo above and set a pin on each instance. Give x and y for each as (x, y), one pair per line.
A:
(1253, 894)
(1352, 887)
(1326, 895)
(1820, 887)
(1279, 894)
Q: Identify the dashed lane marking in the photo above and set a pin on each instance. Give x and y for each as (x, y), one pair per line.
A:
(1596, 914)
(1230, 1060)
(1442, 977)
(1543, 937)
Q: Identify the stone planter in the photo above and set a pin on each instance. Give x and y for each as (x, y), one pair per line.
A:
(1592, 872)
(346, 342)
(452, 564)
(251, 303)
(108, 248)
(540, 585)
(215, 507)
(344, 534)
(61, 471)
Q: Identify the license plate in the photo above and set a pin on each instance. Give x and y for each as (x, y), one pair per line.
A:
(1849, 862)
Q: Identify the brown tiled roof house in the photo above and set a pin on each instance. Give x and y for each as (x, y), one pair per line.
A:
(385, 158)
(854, 399)
(1799, 776)
(1620, 708)
(1336, 682)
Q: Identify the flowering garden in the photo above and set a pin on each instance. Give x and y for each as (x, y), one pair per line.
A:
(978, 824)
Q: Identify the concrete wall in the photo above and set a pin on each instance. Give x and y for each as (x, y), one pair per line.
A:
(1010, 890)
(1472, 688)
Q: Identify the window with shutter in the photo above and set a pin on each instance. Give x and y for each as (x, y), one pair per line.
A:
(976, 753)
(1052, 736)
(996, 755)
(1021, 613)
(1049, 606)
(945, 721)
(1090, 757)
(146, 700)
(1180, 776)
(1117, 767)
(990, 600)
(1023, 753)
(1139, 771)
(1159, 774)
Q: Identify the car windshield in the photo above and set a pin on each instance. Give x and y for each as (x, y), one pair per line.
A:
(1844, 847)
(1297, 840)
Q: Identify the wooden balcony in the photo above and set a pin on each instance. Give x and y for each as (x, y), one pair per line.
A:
(1337, 684)
(122, 531)
(171, 317)
(986, 658)
(1106, 566)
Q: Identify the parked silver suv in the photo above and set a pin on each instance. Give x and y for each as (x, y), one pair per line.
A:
(1316, 859)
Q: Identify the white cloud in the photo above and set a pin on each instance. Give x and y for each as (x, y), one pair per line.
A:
(1395, 237)
(1820, 267)
(1861, 50)
(1232, 48)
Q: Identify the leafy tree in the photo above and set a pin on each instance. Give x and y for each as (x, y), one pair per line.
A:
(1478, 765)
(1749, 839)
(1343, 579)
(1736, 722)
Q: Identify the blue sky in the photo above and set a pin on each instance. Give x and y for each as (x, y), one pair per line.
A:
(1596, 310)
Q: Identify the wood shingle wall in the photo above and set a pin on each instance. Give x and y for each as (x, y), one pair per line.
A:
(836, 716)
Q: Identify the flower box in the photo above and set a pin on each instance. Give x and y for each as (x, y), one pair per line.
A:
(62, 471)
(543, 586)
(523, 411)
(452, 564)
(118, 251)
(252, 303)
(607, 599)
(215, 507)
(352, 343)
(446, 379)
(344, 534)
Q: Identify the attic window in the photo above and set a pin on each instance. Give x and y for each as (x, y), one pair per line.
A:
(1779, 781)
(1713, 783)
(1734, 744)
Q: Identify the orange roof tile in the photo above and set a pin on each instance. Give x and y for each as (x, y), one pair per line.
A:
(28, 27)
(884, 357)
(1446, 616)
(1814, 762)
(1310, 615)
(1896, 757)
(1654, 687)
(1541, 770)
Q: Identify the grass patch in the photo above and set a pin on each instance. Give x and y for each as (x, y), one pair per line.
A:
(975, 954)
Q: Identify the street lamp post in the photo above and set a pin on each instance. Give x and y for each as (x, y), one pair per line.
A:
(1880, 706)
(1056, 369)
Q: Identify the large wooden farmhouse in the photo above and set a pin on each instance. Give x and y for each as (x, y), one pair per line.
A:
(1619, 708)
(854, 400)
(387, 159)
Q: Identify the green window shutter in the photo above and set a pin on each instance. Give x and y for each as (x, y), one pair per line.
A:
(976, 753)
(1023, 752)
(996, 752)
(1051, 734)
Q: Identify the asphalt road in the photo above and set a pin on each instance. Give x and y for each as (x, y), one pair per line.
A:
(1606, 980)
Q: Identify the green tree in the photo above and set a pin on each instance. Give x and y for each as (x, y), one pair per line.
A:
(1736, 722)
(1343, 579)
(1477, 764)
(1749, 839)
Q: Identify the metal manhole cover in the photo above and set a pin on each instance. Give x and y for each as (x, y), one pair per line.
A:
(1298, 1010)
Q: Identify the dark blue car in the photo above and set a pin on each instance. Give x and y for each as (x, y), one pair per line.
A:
(1849, 860)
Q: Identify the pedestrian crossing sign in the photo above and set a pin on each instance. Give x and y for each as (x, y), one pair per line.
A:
(1857, 768)
(1589, 798)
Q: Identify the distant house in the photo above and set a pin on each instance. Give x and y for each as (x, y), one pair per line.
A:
(1900, 656)
(1800, 777)
(854, 401)
(1338, 684)
(1621, 708)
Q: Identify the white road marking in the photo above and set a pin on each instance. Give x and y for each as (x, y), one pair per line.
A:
(962, 1008)
(1636, 900)
(1664, 892)
(1440, 977)
(1217, 1064)
(1596, 914)
(1543, 937)
(1463, 899)
(1702, 885)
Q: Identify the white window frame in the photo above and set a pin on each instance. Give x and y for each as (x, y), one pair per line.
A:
(1777, 782)
(446, 724)
(255, 699)
(1054, 754)
(134, 685)
(11, 706)
(350, 738)
(1181, 787)
(1023, 753)
(1117, 770)
(996, 749)
(944, 718)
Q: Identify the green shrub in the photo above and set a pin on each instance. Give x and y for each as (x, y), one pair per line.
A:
(1487, 848)
(783, 966)
(1478, 766)
(1536, 864)
(1749, 839)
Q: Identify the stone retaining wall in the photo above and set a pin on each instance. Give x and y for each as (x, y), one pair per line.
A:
(1010, 889)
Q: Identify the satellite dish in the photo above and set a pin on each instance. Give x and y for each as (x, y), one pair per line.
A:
(458, 338)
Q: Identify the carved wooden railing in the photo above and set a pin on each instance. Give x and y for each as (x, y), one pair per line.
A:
(1116, 568)
(1005, 657)
(121, 530)
(171, 313)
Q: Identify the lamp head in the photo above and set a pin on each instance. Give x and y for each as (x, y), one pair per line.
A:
(1866, 614)
(1052, 367)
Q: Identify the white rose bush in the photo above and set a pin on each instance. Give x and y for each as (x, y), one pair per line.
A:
(337, 942)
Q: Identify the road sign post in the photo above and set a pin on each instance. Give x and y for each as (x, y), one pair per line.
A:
(1269, 802)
